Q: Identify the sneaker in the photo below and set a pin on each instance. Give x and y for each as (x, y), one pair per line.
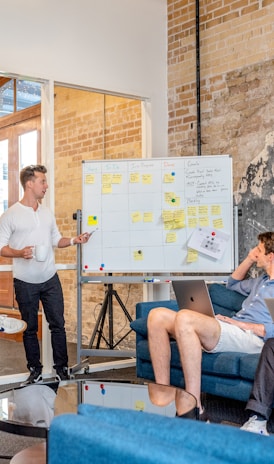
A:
(11, 325)
(61, 374)
(34, 377)
(256, 426)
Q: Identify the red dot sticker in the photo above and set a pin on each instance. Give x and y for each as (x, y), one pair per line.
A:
(213, 233)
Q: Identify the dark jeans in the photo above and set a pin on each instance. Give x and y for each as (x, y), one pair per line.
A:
(51, 296)
(262, 394)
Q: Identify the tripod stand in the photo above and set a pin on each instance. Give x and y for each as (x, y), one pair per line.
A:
(107, 308)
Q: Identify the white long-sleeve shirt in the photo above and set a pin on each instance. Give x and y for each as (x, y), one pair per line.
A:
(21, 226)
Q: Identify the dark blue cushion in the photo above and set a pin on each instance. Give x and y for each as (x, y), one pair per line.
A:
(225, 301)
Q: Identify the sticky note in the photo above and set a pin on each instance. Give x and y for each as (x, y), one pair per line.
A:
(168, 178)
(192, 211)
(203, 210)
(92, 220)
(134, 177)
(218, 223)
(216, 210)
(192, 222)
(192, 255)
(171, 237)
(90, 179)
(106, 188)
(117, 179)
(204, 221)
(148, 217)
(138, 255)
(136, 216)
(147, 179)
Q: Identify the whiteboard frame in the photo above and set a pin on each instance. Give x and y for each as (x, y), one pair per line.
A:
(205, 264)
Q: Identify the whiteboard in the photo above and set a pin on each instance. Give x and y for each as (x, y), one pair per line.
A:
(158, 215)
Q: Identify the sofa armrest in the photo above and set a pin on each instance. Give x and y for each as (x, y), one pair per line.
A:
(139, 325)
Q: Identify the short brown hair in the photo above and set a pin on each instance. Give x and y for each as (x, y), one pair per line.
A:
(267, 238)
(28, 173)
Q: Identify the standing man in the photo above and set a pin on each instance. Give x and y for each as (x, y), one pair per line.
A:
(194, 332)
(23, 226)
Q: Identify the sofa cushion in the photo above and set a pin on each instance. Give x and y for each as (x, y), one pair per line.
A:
(228, 364)
(225, 301)
(248, 365)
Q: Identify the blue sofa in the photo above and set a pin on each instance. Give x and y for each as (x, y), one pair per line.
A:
(229, 375)
(99, 435)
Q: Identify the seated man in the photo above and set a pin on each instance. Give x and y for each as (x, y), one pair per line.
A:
(195, 332)
(262, 394)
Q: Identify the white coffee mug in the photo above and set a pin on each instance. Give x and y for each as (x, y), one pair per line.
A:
(40, 252)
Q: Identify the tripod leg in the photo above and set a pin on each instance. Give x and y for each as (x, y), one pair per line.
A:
(122, 305)
(100, 322)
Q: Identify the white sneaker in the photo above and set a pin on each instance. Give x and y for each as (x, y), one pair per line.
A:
(256, 426)
(11, 325)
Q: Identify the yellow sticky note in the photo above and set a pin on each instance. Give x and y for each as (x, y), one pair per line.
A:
(147, 179)
(106, 178)
(203, 210)
(218, 223)
(134, 177)
(168, 178)
(204, 221)
(192, 211)
(216, 210)
(90, 179)
(167, 215)
(179, 224)
(169, 225)
(117, 178)
(168, 196)
(192, 255)
(192, 223)
(92, 220)
(106, 188)
(179, 215)
(136, 216)
(171, 237)
(138, 255)
(148, 217)
(139, 405)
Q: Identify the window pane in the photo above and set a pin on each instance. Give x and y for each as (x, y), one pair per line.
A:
(7, 98)
(27, 94)
(27, 151)
(3, 176)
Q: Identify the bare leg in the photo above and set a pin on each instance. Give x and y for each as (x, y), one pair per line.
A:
(192, 332)
(160, 327)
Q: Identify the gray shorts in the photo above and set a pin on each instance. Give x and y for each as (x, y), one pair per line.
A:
(233, 338)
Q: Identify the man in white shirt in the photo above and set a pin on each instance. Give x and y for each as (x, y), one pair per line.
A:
(23, 226)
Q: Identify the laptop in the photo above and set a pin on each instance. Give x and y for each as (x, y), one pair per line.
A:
(270, 304)
(193, 294)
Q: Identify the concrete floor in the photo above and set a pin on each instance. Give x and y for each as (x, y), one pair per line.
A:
(13, 364)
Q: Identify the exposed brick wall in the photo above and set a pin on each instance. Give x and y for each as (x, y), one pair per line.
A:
(90, 126)
(236, 51)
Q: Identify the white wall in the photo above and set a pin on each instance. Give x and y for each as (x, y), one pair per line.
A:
(112, 45)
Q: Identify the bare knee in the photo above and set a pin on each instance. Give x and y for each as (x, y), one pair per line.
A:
(161, 318)
(185, 321)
